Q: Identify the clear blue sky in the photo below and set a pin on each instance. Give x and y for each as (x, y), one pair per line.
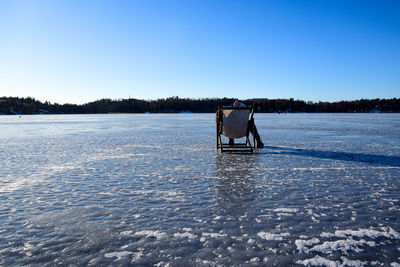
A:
(80, 51)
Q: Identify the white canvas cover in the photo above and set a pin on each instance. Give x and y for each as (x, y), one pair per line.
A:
(235, 122)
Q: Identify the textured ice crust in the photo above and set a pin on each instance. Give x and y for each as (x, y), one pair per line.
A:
(342, 245)
(346, 245)
(272, 236)
(286, 210)
(151, 190)
(320, 261)
(118, 255)
(307, 246)
(387, 232)
(303, 245)
(185, 235)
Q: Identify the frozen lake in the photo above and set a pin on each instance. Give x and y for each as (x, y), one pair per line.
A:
(151, 189)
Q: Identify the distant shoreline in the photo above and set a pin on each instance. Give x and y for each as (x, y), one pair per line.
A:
(29, 105)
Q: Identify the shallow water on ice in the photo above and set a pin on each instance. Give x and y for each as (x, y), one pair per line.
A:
(152, 189)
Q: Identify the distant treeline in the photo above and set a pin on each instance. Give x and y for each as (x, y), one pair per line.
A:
(28, 105)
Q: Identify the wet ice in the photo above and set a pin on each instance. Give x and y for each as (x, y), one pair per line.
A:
(152, 190)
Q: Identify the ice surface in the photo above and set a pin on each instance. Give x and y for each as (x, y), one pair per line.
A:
(118, 255)
(130, 189)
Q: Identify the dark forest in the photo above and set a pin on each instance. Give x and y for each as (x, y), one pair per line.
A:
(29, 105)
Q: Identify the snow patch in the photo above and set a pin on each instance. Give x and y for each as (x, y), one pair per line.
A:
(387, 232)
(255, 259)
(127, 233)
(286, 210)
(318, 261)
(342, 245)
(302, 244)
(355, 263)
(272, 236)
(185, 235)
(150, 233)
